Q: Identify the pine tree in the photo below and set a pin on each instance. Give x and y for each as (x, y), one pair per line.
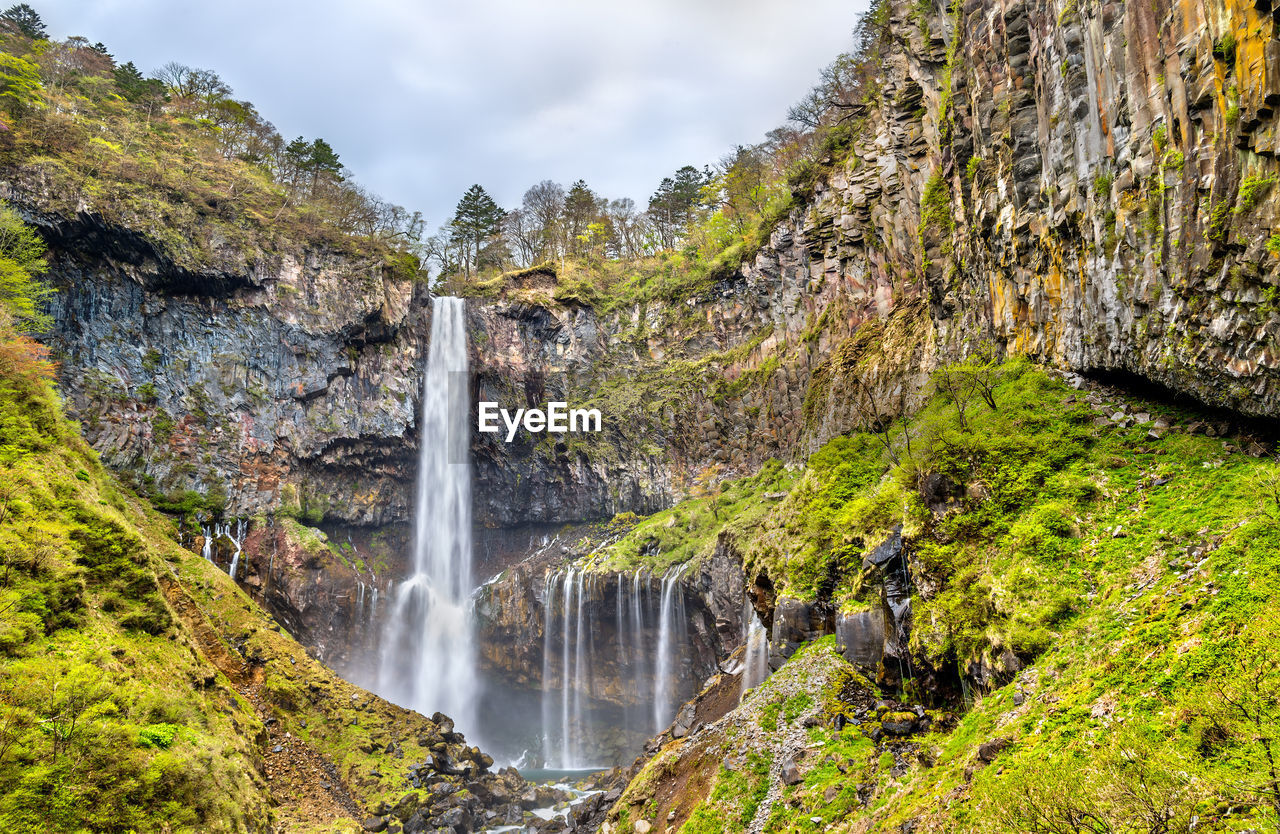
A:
(476, 219)
(27, 21)
(323, 160)
(672, 206)
(579, 212)
(296, 160)
(134, 87)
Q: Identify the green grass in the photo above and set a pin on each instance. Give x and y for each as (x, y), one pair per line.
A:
(1121, 587)
(116, 709)
(102, 724)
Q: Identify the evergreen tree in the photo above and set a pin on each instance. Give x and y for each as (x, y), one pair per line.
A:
(296, 161)
(672, 206)
(134, 87)
(476, 219)
(27, 21)
(579, 212)
(323, 160)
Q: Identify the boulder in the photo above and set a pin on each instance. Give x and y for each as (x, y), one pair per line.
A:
(988, 750)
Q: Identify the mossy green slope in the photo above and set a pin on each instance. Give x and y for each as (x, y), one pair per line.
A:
(110, 717)
(140, 689)
(1102, 592)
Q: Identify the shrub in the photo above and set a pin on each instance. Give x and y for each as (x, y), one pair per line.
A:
(158, 735)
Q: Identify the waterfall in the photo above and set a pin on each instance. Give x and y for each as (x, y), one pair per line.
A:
(427, 661)
(565, 728)
(574, 716)
(671, 632)
(562, 740)
(756, 662)
(639, 673)
(237, 539)
(548, 611)
(206, 550)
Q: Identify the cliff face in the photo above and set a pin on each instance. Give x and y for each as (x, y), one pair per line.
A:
(1092, 184)
(1088, 183)
(279, 381)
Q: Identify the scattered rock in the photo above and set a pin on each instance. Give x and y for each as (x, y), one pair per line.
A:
(988, 750)
(899, 723)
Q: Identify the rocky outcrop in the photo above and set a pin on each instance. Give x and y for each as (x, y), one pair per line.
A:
(1089, 184)
(276, 380)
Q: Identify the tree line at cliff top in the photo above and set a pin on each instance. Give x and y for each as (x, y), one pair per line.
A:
(175, 146)
(726, 208)
(128, 139)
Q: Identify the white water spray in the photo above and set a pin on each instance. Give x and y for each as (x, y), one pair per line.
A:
(428, 655)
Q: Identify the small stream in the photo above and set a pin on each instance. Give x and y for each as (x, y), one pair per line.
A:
(564, 780)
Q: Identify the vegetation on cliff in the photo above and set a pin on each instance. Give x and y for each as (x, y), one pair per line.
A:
(176, 157)
(704, 223)
(1093, 576)
(140, 689)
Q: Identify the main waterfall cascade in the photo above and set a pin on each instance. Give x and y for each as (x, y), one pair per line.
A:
(427, 658)
(572, 720)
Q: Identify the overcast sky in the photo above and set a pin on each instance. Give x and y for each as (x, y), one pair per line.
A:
(421, 98)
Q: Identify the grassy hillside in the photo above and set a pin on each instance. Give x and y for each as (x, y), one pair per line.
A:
(110, 717)
(203, 176)
(1099, 575)
(140, 689)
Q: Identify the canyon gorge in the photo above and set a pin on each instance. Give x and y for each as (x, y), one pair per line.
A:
(750, 572)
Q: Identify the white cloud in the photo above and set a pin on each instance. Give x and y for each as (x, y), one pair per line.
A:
(423, 98)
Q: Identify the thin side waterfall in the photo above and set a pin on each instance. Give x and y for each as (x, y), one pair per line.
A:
(237, 540)
(639, 672)
(566, 729)
(428, 655)
(756, 663)
(575, 644)
(548, 609)
(671, 633)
